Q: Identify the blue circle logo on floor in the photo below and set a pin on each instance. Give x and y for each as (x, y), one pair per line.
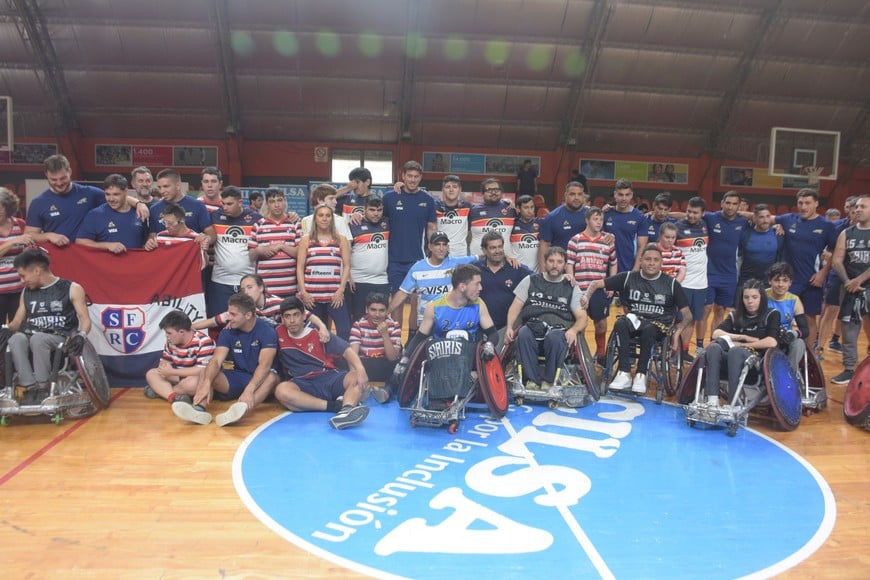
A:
(616, 489)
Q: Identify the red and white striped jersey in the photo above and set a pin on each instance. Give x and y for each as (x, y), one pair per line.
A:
(279, 271)
(591, 258)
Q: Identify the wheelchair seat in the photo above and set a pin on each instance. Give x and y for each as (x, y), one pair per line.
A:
(665, 369)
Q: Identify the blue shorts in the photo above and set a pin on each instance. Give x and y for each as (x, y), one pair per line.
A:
(721, 292)
(696, 299)
(396, 272)
(812, 300)
(599, 306)
(328, 385)
(237, 380)
(833, 291)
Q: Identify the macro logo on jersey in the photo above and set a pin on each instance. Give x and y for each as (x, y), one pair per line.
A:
(233, 234)
(538, 494)
(525, 240)
(373, 241)
(124, 328)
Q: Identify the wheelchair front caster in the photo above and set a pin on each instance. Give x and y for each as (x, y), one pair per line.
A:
(519, 401)
(413, 422)
(453, 427)
(4, 420)
(553, 405)
(660, 394)
(690, 422)
(732, 429)
(57, 418)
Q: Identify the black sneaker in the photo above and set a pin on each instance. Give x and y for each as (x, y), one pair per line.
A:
(183, 399)
(687, 358)
(843, 378)
(349, 416)
(149, 393)
(835, 346)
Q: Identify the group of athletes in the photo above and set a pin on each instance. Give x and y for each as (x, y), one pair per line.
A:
(275, 284)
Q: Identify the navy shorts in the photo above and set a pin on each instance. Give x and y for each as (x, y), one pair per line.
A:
(721, 293)
(328, 385)
(599, 306)
(237, 380)
(834, 291)
(812, 299)
(696, 299)
(396, 272)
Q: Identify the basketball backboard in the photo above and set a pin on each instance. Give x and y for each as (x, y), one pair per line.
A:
(797, 152)
(5, 123)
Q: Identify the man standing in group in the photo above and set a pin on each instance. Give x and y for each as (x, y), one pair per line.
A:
(56, 215)
(452, 212)
(590, 258)
(195, 214)
(725, 228)
(351, 198)
(851, 262)
(525, 234)
(241, 367)
(255, 200)
(564, 222)
(807, 235)
(494, 214)
(141, 181)
(760, 247)
(628, 225)
(113, 226)
(369, 258)
(233, 224)
(499, 279)
(410, 211)
(273, 246)
(661, 207)
(212, 184)
(692, 241)
(527, 179)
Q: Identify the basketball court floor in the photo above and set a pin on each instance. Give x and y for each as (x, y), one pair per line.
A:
(623, 488)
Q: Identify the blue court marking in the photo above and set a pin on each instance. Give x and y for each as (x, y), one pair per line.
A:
(617, 489)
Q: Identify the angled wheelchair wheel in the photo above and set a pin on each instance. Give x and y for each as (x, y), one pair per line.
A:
(610, 362)
(492, 383)
(93, 375)
(856, 403)
(411, 382)
(672, 365)
(783, 388)
(5, 335)
(587, 367)
(686, 391)
(815, 374)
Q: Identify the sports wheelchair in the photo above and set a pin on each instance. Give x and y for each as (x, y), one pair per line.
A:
(444, 375)
(77, 387)
(766, 380)
(814, 397)
(856, 403)
(665, 368)
(575, 385)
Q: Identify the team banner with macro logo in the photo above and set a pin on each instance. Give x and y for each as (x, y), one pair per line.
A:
(128, 294)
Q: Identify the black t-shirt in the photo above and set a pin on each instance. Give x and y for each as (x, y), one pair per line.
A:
(758, 326)
(655, 299)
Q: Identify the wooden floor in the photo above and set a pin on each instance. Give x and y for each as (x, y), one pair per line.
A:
(134, 492)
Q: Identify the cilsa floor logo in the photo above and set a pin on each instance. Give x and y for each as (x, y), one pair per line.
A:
(616, 489)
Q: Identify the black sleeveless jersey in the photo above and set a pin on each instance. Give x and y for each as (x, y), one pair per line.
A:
(655, 300)
(857, 258)
(50, 309)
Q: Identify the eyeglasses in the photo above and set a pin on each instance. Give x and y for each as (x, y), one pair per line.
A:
(492, 190)
(168, 225)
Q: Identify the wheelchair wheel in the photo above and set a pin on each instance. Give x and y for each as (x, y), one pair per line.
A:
(672, 365)
(783, 389)
(492, 383)
(686, 391)
(93, 375)
(856, 402)
(815, 374)
(587, 367)
(610, 362)
(411, 382)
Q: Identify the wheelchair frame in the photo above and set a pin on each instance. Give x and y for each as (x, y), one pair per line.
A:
(580, 389)
(414, 392)
(78, 387)
(783, 400)
(667, 372)
(814, 397)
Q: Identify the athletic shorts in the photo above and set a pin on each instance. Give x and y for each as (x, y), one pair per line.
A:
(697, 300)
(396, 272)
(834, 291)
(599, 306)
(812, 300)
(721, 292)
(237, 380)
(328, 385)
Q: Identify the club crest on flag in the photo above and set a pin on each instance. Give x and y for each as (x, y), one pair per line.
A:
(124, 328)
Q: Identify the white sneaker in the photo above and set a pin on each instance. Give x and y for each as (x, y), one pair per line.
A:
(231, 415)
(621, 381)
(638, 385)
(713, 400)
(193, 413)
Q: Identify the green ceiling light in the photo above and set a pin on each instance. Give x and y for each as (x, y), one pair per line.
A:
(285, 43)
(539, 57)
(496, 52)
(455, 48)
(327, 43)
(242, 42)
(574, 64)
(415, 45)
(370, 44)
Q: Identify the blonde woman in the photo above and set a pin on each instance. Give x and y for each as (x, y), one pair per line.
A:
(13, 241)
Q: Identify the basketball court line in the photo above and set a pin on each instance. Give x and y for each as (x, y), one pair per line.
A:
(53, 443)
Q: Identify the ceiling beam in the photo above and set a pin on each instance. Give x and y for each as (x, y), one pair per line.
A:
(227, 68)
(34, 33)
(594, 36)
(409, 72)
(718, 133)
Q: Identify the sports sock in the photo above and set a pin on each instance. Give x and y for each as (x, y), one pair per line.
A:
(333, 406)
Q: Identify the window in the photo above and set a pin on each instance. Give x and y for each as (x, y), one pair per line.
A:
(380, 163)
